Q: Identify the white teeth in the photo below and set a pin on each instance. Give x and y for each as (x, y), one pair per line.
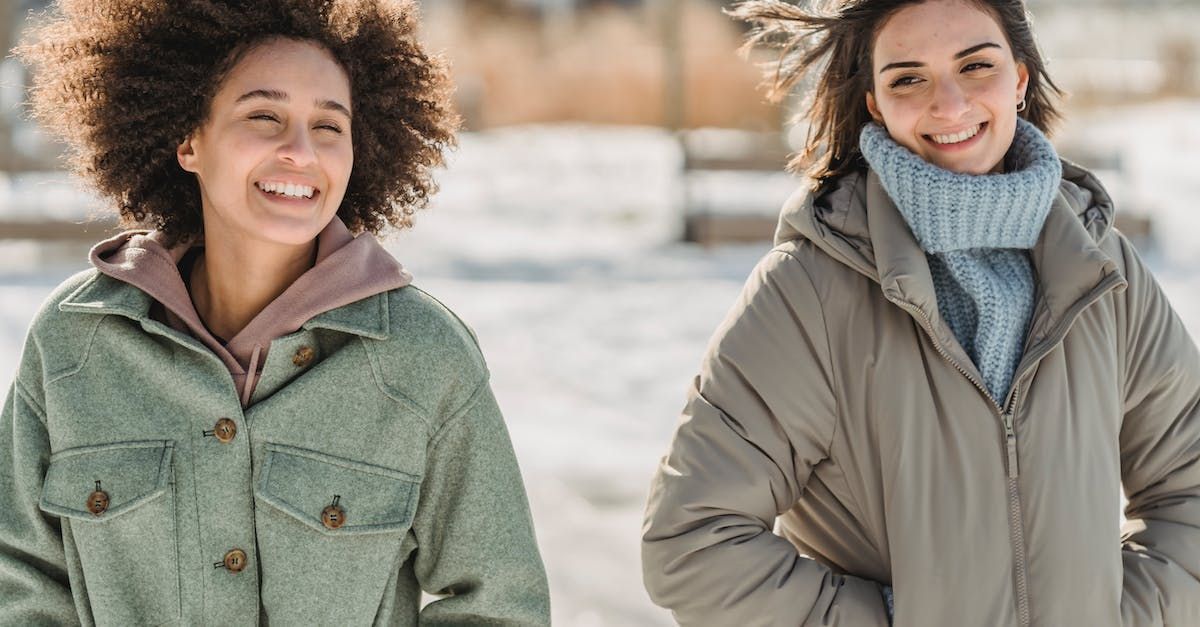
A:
(958, 137)
(287, 189)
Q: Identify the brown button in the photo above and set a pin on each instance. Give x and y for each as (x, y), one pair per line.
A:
(235, 560)
(333, 517)
(97, 502)
(303, 356)
(225, 430)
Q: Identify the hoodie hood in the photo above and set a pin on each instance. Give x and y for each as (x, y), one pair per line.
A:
(347, 269)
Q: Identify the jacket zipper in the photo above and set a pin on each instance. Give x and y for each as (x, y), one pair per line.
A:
(1007, 419)
(1017, 527)
(1016, 532)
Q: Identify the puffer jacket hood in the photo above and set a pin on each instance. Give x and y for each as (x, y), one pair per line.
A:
(835, 217)
(347, 269)
(838, 438)
(1069, 261)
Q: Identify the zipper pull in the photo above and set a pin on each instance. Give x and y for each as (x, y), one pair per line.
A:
(1010, 436)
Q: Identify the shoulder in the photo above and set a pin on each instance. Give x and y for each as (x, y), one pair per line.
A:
(415, 315)
(48, 315)
(430, 357)
(56, 339)
(804, 268)
(780, 305)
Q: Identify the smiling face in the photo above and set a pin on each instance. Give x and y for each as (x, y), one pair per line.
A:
(274, 156)
(946, 85)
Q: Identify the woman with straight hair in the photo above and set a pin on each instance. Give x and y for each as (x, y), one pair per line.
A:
(937, 384)
(245, 413)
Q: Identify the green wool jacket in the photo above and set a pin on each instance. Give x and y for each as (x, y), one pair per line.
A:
(371, 465)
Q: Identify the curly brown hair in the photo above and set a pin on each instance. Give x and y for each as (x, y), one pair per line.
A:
(831, 43)
(124, 82)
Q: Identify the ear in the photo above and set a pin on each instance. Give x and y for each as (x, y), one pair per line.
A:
(873, 108)
(185, 153)
(1022, 81)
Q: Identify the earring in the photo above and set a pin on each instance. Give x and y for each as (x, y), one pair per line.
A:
(1021, 106)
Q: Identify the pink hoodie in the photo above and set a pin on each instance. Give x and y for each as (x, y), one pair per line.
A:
(347, 269)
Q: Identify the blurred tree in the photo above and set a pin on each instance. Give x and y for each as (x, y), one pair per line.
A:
(12, 23)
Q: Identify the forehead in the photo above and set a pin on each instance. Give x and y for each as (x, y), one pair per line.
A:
(301, 69)
(935, 28)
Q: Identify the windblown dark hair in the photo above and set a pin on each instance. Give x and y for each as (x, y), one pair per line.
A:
(831, 43)
(124, 82)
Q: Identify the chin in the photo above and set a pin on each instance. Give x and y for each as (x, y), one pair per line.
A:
(290, 231)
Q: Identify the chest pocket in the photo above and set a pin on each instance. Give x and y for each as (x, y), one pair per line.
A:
(118, 506)
(329, 534)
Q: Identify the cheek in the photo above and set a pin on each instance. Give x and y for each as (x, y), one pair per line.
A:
(900, 116)
(243, 158)
(1000, 89)
(900, 111)
(339, 160)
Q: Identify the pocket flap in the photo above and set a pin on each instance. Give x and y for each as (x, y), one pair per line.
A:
(130, 474)
(302, 483)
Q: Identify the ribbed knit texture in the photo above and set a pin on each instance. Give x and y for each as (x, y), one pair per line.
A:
(976, 231)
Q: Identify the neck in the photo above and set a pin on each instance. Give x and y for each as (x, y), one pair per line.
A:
(236, 277)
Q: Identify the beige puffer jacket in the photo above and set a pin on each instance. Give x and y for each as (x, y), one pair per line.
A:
(836, 398)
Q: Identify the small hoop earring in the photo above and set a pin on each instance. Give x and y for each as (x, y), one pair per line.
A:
(1021, 106)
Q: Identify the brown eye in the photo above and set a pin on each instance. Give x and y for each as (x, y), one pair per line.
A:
(264, 116)
(905, 81)
(970, 67)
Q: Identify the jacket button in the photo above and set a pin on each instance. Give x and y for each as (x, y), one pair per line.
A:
(97, 502)
(225, 430)
(333, 517)
(303, 356)
(235, 560)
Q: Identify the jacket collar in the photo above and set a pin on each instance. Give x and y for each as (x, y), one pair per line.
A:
(103, 294)
(856, 223)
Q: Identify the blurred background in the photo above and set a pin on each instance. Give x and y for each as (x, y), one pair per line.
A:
(619, 176)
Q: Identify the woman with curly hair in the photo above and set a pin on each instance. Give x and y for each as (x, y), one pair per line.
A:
(244, 413)
(941, 378)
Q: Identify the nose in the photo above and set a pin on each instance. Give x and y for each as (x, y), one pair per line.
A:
(950, 101)
(298, 148)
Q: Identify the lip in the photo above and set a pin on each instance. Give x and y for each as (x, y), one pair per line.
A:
(963, 145)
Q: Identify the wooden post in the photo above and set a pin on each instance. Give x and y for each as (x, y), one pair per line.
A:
(9, 14)
(674, 101)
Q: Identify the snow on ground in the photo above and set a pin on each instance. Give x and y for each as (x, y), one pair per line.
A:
(558, 246)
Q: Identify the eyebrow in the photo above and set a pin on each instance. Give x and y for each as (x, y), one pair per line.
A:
(958, 55)
(279, 96)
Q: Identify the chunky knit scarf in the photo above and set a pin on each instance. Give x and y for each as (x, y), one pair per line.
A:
(976, 231)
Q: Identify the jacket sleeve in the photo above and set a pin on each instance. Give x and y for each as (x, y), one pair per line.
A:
(1160, 459)
(34, 587)
(475, 541)
(759, 417)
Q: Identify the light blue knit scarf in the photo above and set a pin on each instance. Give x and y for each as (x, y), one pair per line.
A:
(976, 231)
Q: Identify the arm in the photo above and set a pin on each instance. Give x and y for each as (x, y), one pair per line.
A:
(34, 588)
(1160, 459)
(761, 414)
(475, 540)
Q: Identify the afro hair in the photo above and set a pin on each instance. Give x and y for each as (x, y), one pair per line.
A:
(124, 82)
